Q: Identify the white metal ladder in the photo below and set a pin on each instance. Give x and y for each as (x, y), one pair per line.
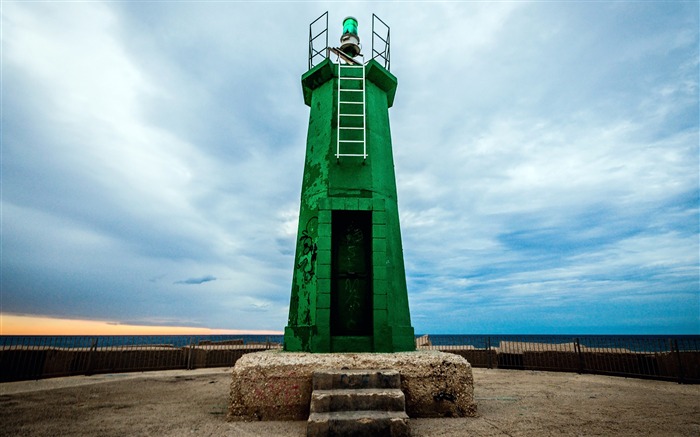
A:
(352, 132)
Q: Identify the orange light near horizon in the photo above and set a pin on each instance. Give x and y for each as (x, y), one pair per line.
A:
(13, 324)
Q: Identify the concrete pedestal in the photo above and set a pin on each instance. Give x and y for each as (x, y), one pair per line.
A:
(277, 385)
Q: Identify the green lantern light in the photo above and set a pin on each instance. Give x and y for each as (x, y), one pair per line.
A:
(350, 41)
(350, 26)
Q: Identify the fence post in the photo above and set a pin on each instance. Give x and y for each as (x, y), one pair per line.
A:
(189, 355)
(93, 349)
(676, 349)
(488, 353)
(577, 348)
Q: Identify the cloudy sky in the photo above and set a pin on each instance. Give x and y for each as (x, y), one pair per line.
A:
(546, 157)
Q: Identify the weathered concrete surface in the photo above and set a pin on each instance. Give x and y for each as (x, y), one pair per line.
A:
(186, 403)
(275, 385)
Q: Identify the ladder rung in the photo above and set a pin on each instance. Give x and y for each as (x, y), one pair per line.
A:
(354, 128)
(342, 90)
(350, 154)
(351, 103)
(350, 66)
(350, 78)
(351, 141)
(351, 115)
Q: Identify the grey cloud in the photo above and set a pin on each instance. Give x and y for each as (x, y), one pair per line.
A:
(196, 281)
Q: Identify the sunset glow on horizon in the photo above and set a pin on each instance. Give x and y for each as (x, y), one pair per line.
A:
(14, 324)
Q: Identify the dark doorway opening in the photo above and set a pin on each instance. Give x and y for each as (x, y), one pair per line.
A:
(351, 273)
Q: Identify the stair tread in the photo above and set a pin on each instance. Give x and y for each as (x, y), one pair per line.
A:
(357, 371)
(356, 378)
(355, 415)
(357, 399)
(358, 391)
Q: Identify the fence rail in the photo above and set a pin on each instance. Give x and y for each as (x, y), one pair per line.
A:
(666, 358)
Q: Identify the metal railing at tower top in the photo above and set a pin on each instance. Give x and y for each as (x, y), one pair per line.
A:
(381, 52)
(316, 38)
(319, 48)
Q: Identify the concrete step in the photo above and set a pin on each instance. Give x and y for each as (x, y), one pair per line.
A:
(358, 424)
(351, 378)
(378, 399)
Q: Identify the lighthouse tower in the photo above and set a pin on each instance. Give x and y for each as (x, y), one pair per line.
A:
(349, 283)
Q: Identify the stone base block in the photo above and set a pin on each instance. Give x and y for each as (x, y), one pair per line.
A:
(277, 385)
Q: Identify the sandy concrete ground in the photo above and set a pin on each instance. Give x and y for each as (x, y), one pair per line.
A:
(194, 403)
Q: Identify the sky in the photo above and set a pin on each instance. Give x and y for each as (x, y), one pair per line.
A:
(546, 158)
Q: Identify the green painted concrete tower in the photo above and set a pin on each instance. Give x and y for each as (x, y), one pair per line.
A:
(349, 284)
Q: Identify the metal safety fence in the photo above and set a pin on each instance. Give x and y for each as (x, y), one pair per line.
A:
(674, 358)
(36, 357)
(655, 357)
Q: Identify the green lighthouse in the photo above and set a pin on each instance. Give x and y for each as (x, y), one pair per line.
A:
(349, 284)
